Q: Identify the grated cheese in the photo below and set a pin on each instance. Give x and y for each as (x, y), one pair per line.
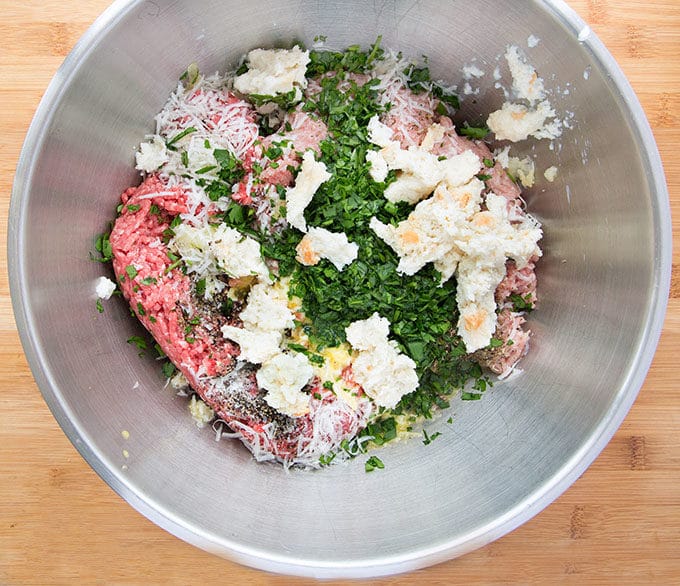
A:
(152, 154)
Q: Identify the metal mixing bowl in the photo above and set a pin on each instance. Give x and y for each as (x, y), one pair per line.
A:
(603, 284)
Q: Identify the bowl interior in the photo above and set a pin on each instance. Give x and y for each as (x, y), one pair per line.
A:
(504, 457)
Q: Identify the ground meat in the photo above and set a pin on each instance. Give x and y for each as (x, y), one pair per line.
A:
(514, 345)
(188, 330)
(304, 133)
(519, 282)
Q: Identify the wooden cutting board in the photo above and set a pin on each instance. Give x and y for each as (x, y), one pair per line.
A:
(618, 524)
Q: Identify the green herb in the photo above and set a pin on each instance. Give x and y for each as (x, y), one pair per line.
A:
(180, 136)
(419, 79)
(131, 271)
(240, 217)
(483, 177)
(285, 101)
(372, 463)
(205, 169)
(311, 356)
(173, 266)
(100, 306)
(326, 459)
(495, 343)
(520, 303)
(476, 132)
(488, 162)
(154, 210)
(185, 158)
(467, 396)
(231, 170)
(352, 60)
(381, 431)
(137, 341)
(133, 208)
(423, 314)
(428, 439)
(140, 309)
(168, 369)
(102, 246)
(159, 350)
(200, 287)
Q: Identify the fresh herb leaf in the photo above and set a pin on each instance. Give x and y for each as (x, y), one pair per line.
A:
(131, 271)
(168, 369)
(520, 303)
(476, 132)
(428, 439)
(138, 341)
(373, 463)
(102, 246)
(180, 135)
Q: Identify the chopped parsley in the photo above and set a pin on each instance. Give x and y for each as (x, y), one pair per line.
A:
(520, 303)
(428, 439)
(476, 132)
(352, 60)
(131, 271)
(179, 136)
(168, 369)
(373, 463)
(138, 341)
(102, 246)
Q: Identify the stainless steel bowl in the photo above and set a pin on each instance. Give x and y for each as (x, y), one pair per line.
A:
(603, 286)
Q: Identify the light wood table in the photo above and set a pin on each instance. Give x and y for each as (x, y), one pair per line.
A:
(618, 524)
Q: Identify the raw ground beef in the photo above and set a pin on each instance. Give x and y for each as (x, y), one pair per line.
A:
(188, 330)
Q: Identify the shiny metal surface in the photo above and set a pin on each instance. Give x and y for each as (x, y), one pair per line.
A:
(603, 287)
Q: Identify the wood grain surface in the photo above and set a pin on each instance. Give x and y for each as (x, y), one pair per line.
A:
(618, 524)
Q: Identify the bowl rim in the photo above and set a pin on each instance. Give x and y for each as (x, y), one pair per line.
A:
(532, 503)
